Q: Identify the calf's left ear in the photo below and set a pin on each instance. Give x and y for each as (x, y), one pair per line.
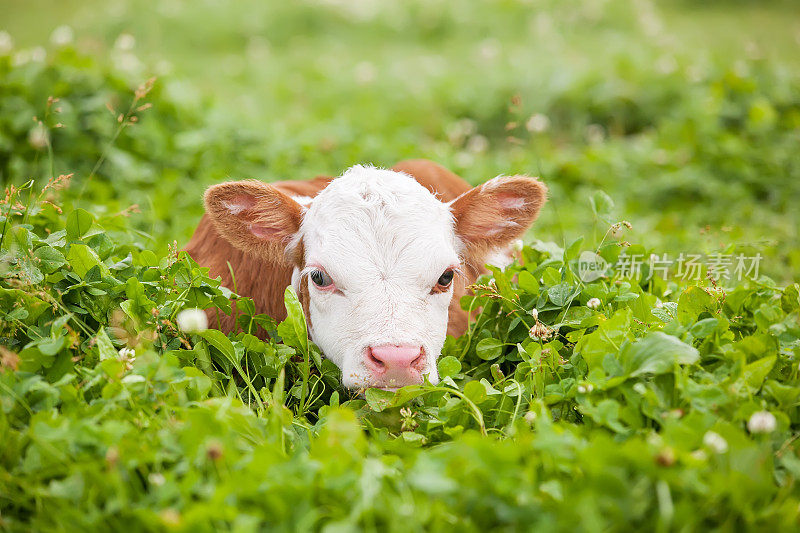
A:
(254, 216)
(491, 215)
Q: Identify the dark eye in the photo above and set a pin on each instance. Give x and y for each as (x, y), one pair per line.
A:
(320, 278)
(446, 278)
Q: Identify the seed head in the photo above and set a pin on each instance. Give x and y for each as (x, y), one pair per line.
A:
(112, 457)
(214, 451)
(666, 457)
(8, 359)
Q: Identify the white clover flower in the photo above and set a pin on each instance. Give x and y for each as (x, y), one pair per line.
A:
(38, 137)
(540, 331)
(128, 63)
(535, 314)
(21, 57)
(695, 73)
(762, 422)
(489, 49)
(477, 144)
(715, 442)
(537, 123)
(464, 159)
(593, 303)
(127, 353)
(62, 35)
(156, 478)
(530, 417)
(125, 41)
(595, 134)
(460, 130)
(654, 439)
(516, 245)
(666, 64)
(163, 67)
(581, 389)
(6, 42)
(192, 320)
(699, 455)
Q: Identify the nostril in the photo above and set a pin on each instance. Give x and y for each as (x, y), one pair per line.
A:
(374, 361)
(419, 362)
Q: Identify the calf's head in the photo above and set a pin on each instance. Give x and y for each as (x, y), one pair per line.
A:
(376, 257)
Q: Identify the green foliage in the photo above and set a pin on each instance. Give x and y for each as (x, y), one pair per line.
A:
(93, 125)
(549, 412)
(625, 402)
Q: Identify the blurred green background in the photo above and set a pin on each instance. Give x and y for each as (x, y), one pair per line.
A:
(685, 113)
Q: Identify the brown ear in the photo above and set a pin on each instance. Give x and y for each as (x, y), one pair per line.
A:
(254, 217)
(491, 215)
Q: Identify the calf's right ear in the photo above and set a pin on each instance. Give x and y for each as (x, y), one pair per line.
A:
(254, 216)
(489, 216)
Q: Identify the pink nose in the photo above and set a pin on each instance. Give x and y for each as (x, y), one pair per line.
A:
(396, 366)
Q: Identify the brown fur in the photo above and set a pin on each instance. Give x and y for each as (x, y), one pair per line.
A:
(263, 267)
(434, 177)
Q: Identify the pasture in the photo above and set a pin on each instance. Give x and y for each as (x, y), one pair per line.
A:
(639, 368)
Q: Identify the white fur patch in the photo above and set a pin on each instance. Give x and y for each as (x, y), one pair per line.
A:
(493, 183)
(305, 201)
(511, 202)
(500, 258)
(234, 208)
(500, 226)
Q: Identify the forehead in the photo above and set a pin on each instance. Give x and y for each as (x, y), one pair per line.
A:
(381, 218)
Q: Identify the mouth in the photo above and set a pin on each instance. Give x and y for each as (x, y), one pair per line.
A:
(393, 385)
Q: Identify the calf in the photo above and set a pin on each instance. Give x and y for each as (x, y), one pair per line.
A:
(379, 258)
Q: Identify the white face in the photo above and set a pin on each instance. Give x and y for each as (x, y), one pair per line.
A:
(377, 244)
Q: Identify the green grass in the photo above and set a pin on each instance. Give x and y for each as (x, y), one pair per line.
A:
(638, 413)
